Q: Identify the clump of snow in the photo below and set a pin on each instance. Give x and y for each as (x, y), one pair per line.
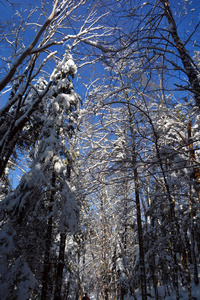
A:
(41, 83)
(63, 83)
(64, 99)
(68, 65)
(22, 274)
(55, 107)
(27, 283)
(143, 4)
(72, 66)
(58, 164)
(70, 212)
(58, 167)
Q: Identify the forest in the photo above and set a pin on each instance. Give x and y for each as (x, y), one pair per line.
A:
(100, 149)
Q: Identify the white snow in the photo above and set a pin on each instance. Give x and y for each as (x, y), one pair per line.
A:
(68, 65)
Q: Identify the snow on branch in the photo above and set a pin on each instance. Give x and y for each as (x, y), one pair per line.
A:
(4, 81)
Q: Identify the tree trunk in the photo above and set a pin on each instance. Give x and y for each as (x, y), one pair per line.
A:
(47, 259)
(137, 200)
(140, 237)
(60, 266)
(196, 177)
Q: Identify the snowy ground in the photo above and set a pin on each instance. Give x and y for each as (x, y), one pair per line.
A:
(183, 294)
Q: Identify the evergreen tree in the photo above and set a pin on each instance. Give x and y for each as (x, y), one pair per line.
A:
(43, 205)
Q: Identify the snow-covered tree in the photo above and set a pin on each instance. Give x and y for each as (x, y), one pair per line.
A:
(43, 208)
(133, 181)
(31, 44)
(140, 135)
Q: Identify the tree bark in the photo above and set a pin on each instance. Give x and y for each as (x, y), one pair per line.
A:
(47, 258)
(140, 237)
(137, 201)
(60, 267)
(138, 211)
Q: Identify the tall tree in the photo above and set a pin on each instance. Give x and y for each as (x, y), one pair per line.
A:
(30, 60)
(43, 205)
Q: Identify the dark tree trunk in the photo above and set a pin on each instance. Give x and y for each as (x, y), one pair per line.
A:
(47, 257)
(138, 209)
(60, 267)
(140, 237)
(47, 262)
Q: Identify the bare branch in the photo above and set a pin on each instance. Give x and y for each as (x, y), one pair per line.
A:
(4, 81)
